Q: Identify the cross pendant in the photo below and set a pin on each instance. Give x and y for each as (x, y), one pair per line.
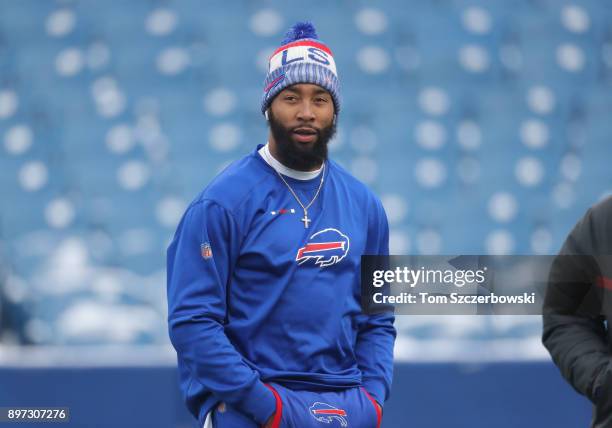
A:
(305, 220)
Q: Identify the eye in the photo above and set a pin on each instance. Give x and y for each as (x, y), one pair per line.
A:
(290, 98)
(321, 100)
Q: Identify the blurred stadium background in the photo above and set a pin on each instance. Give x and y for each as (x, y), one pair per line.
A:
(483, 125)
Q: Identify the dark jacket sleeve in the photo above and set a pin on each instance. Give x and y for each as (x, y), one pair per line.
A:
(574, 330)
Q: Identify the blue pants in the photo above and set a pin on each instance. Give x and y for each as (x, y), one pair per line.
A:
(349, 408)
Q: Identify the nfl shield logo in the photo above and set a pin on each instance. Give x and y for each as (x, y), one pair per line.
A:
(206, 251)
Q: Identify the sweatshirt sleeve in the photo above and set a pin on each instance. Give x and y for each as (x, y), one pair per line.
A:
(199, 267)
(573, 331)
(376, 334)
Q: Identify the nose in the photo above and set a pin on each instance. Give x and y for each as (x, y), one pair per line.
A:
(305, 112)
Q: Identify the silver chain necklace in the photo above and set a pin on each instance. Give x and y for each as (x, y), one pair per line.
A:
(305, 219)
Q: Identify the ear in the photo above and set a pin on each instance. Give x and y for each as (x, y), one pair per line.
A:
(266, 115)
(334, 121)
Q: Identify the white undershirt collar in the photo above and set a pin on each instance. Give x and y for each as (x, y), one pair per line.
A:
(264, 152)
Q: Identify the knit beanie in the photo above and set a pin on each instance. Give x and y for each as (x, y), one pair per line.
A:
(301, 58)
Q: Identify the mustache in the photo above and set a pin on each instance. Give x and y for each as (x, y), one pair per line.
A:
(305, 128)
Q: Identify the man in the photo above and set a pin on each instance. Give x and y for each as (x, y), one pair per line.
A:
(263, 271)
(577, 310)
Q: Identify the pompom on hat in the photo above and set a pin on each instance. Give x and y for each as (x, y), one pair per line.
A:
(301, 58)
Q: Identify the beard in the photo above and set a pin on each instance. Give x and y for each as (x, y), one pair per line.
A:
(296, 155)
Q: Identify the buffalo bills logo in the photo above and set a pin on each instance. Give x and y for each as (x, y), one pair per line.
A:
(274, 82)
(326, 247)
(323, 412)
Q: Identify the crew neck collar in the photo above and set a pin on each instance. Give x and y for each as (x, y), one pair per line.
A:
(267, 157)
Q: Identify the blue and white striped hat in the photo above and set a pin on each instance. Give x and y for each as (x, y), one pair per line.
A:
(302, 58)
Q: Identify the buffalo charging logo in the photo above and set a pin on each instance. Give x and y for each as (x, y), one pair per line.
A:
(326, 413)
(325, 248)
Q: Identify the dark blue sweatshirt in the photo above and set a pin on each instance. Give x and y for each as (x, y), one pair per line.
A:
(256, 297)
